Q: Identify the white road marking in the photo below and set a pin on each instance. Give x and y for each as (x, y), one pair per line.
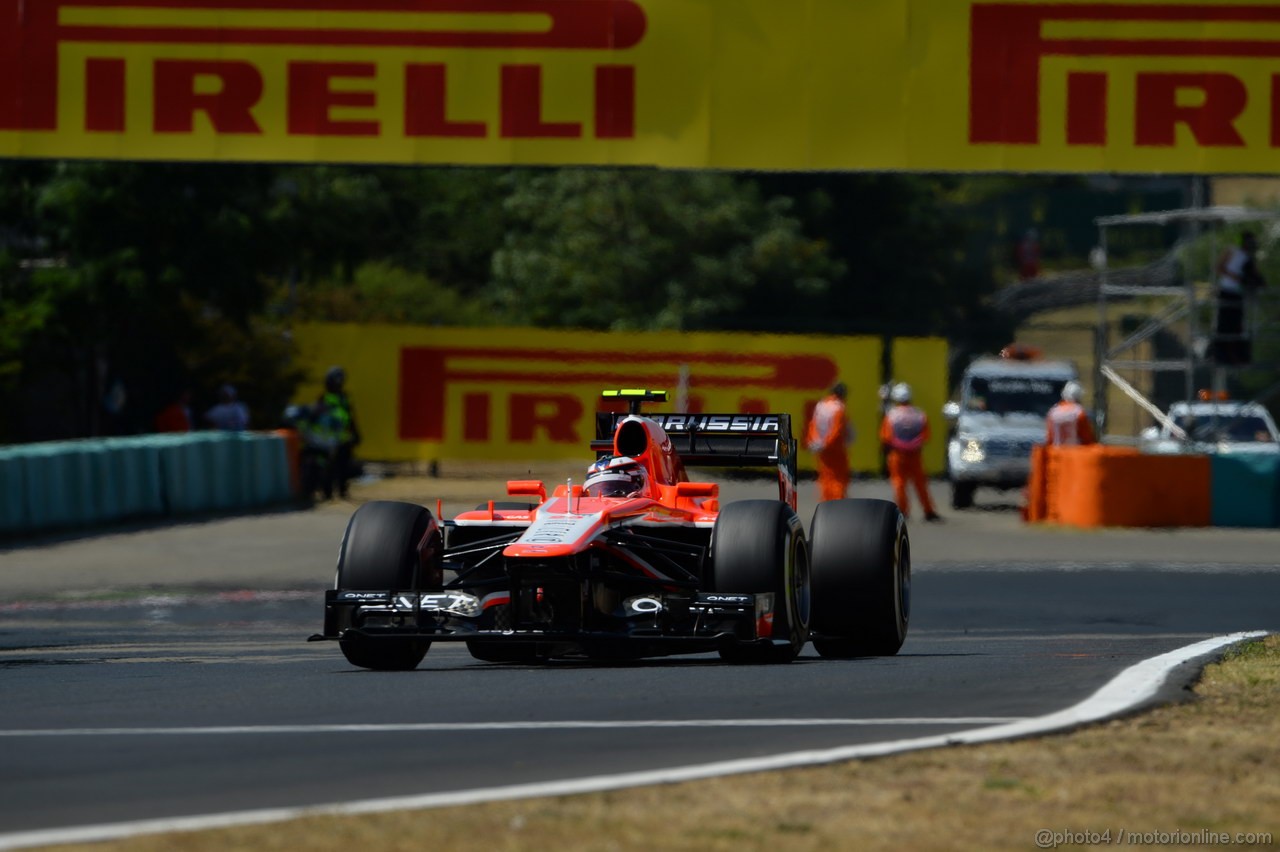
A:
(1130, 689)
(419, 727)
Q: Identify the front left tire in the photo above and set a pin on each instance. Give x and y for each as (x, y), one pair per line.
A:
(759, 546)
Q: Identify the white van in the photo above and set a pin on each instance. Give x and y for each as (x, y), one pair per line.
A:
(999, 417)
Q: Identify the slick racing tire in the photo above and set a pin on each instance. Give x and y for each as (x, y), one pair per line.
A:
(860, 559)
(759, 546)
(380, 552)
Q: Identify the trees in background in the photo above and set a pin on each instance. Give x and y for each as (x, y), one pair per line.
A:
(138, 279)
(648, 250)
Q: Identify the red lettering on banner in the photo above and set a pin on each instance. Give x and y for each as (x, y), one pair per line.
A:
(426, 373)
(1086, 108)
(522, 107)
(1211, 122)
(424, 105)
(312, 98)
(230, 108)
(104, 95)
(475, 417)
(1008, 42)
(1275, 110)
(615, 102)
(31, 32)
(555, 413)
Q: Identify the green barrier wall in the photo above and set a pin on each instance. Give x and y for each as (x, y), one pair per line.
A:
(1246, 490)
(78, 484)
(13, 486)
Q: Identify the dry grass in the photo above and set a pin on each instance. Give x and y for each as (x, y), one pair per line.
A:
(1209, 764)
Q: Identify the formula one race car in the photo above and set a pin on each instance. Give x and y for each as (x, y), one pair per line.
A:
(638, 561)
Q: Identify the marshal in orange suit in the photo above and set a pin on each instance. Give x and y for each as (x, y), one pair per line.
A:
(828, 436)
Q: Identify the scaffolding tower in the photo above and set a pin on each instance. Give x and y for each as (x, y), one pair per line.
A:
(1180, 308)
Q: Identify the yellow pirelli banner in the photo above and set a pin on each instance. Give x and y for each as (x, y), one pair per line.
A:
(528, 394)
(923, 85)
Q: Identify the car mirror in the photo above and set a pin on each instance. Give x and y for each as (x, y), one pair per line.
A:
(951, 410)
(527, 487)
(697, 489)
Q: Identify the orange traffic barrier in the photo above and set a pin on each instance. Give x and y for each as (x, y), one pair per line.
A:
(1037, 487)
(1105, 486)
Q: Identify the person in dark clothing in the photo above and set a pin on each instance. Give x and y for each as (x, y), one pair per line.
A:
(334, 410)
(1238, 276)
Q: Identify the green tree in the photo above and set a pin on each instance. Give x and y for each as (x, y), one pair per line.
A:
(628, 250)
(131, 269)
(380, 292)
(903, 241)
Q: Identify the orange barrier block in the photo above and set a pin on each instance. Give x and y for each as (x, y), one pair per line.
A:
(1037, 508)
(1103, 486)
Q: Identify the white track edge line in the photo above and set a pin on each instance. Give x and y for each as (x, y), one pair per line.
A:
(1126, 691)
(564, 725)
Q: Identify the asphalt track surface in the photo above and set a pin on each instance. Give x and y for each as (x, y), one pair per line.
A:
(164, 673)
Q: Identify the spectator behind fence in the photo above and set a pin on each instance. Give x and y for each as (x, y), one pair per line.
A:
(176, 416)
(230, 414)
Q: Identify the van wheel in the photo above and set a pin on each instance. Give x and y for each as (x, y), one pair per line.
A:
(962, 494)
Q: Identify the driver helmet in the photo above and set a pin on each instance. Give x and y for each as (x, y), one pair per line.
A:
(616, 476)
(901, 392)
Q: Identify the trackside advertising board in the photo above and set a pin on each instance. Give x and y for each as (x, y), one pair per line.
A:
(527, 394)
(1154, 86)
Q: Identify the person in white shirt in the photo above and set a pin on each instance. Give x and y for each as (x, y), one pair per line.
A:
(230, 414)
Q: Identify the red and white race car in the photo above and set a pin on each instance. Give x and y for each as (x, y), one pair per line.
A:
(637, 561)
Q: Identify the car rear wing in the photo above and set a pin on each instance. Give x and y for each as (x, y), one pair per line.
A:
(720, 440)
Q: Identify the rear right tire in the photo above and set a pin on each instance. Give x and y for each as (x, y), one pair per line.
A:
(962, 494)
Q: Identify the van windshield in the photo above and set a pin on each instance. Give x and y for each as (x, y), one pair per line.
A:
(1013, 395)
